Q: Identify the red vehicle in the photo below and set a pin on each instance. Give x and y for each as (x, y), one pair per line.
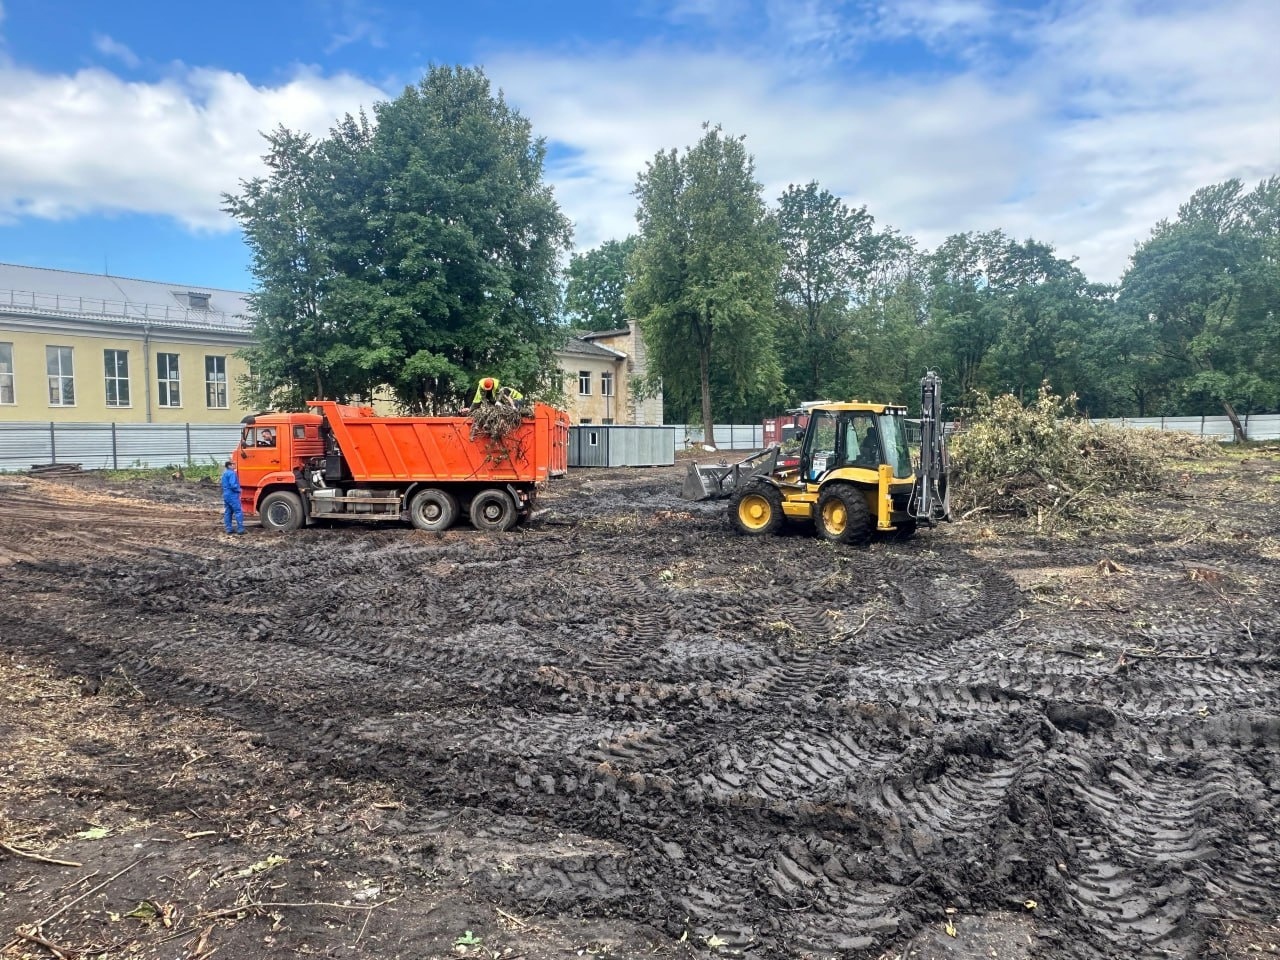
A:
(339, 462)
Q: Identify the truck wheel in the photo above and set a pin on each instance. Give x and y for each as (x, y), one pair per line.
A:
(281, 510)
(756, 509)
(433, 509)
(843, 516)
(493, 511)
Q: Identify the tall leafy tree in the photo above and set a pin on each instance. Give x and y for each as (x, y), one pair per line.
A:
(706, 270)
(828, 249)
(428, 244)
(597, 283)
(1207, 286)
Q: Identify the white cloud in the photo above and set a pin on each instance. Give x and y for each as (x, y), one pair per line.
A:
(1106, 118)
(91, 142)
(1110, 119)
(109, 47)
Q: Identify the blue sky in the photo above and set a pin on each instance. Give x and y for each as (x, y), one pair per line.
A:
(1078, 123)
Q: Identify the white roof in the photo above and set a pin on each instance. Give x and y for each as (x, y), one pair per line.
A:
(38, 291)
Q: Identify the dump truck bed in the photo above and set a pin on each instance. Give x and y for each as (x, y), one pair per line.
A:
(388, 449)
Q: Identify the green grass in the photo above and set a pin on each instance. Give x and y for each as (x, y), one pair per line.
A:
(199, 471)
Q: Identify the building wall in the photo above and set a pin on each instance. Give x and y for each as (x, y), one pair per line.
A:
(594, 407)
(31, 390)
(640, 410)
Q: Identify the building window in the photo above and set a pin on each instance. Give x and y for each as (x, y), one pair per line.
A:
(198, 301)
(584, 383)
(6, 374)
(167, 377)
(607, 421)
(62, 378)
(606, 383)
(215, 382)
(116, 363)
(585, 420)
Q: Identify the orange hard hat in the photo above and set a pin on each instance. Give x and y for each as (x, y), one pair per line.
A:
(487, 383)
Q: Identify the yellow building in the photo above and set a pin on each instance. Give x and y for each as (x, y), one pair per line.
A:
(602, 376)
(84, 348)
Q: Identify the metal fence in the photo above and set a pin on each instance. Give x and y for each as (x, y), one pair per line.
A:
(115, 446)
(1259, 426)
(728, 436)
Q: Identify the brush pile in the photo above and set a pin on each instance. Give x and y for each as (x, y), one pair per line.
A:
(1043, 460)
(495, 420)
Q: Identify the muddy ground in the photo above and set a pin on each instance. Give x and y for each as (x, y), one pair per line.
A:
(625, 731)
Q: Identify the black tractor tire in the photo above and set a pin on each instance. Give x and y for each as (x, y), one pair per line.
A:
(756, 509)
(493, 511)
(433, 510)
(282, 510)
(843, 516)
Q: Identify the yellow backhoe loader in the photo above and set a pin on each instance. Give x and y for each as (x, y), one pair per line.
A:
(854, 476)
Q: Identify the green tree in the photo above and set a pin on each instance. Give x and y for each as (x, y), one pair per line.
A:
(597, 284)
(422, 251)
(706, 269)
(827, 250)
(1207, 287)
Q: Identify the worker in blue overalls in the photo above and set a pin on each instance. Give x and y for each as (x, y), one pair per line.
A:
(231, 509)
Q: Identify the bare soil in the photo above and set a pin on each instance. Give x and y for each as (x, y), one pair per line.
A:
(626, 731)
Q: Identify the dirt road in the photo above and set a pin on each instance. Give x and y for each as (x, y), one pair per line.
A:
(625, 730)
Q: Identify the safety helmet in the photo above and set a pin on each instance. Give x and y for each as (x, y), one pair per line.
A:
(487, 383)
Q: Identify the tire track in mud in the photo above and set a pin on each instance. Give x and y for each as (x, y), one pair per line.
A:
(758, 762)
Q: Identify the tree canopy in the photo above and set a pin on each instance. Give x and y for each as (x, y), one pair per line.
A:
(706, 270)
(594, 297)
(409, 253)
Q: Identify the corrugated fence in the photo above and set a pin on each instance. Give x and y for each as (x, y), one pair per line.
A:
(98, 446)
(115, 446)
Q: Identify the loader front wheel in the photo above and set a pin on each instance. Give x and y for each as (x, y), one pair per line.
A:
(756, 509)
(493, 511)
(281, 510)
(432, 509)
(843, 516)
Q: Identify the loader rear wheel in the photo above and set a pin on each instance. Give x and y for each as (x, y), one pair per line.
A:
(493, 511)
(281, 510)
(432, 509)
(756, 509)
(843, 516)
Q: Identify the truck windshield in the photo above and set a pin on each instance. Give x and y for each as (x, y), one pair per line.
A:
(894, 439)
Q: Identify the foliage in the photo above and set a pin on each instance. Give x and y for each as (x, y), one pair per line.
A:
(413, 253)
(1042, 458)
(706, 266)
(827, 250)
(597, 283)
(1203, 294)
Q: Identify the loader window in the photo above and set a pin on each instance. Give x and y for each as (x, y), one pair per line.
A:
(894, 438)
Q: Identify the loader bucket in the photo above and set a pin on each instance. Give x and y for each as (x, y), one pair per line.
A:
(718, 481)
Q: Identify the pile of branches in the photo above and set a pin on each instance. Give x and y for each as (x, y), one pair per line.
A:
(496, 421)
(1042, 460)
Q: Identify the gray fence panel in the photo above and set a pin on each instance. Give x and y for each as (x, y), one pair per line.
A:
(88, 444)
(728, 436)
(24, 444)
(100, 446)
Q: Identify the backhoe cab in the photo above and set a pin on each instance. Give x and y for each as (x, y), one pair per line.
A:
(854, 476)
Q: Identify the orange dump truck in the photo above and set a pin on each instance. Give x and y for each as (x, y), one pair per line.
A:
(339, 462)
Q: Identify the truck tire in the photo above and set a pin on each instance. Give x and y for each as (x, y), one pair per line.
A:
(756, 509)
(493, 511)
(433, 509)
(281, 510)
(843, 516)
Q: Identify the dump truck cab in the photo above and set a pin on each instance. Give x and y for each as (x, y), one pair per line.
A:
(273, 452)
